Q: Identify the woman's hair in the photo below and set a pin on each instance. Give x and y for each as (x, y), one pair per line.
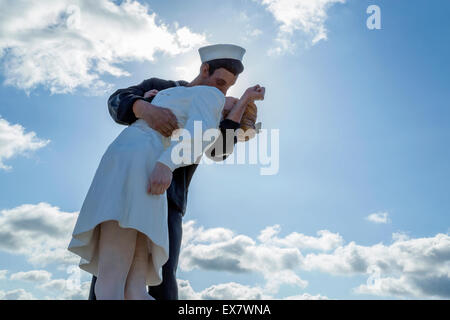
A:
(234, 66)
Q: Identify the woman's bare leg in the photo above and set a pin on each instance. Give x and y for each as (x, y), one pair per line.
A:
(135, 287)
(116, 249)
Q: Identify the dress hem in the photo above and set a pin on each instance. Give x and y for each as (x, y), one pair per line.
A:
(87, 259)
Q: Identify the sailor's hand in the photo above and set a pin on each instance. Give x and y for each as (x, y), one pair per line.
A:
(158, 118)
(160, 179)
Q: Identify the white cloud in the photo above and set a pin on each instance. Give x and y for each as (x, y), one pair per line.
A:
(378, 217)
(405, 268)
(32, 276)
(400, 236)
(67, 44)
(62, 289)
(3, 274)
(392, 286)
(306, 296)
(325, 241)
(233, 253)
(14, 141)
(40, 232)
(16, 294)
(188, 71)
(286, 277)
(221, 249)
(422, 265)
(307, 16)
(234, 291)
(55, 289)
(229, 291)
(250, 32)
(254, 32)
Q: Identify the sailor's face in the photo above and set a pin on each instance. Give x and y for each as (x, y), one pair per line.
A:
(222, 79)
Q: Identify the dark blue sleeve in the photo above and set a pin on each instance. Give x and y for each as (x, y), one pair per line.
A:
(120, 103)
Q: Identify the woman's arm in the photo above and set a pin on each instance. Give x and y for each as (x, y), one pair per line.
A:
(251, 94)
(224, 145)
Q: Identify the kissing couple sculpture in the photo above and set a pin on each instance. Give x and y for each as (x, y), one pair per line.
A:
(128, 232)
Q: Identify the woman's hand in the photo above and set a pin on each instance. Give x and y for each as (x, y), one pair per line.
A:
(150, 93)
(254, 93)
(160, 179)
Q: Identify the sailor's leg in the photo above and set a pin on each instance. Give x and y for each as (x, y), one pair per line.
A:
(168, 289)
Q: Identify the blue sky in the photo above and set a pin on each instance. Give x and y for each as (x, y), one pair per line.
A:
(364, 127)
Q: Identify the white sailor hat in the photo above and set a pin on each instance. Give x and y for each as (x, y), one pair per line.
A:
(221, 51)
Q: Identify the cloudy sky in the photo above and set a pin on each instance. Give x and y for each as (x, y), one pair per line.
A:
(359, 208)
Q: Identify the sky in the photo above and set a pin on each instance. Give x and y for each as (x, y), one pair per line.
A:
(359, 208)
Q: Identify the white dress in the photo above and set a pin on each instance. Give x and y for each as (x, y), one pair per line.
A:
(119, 187)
